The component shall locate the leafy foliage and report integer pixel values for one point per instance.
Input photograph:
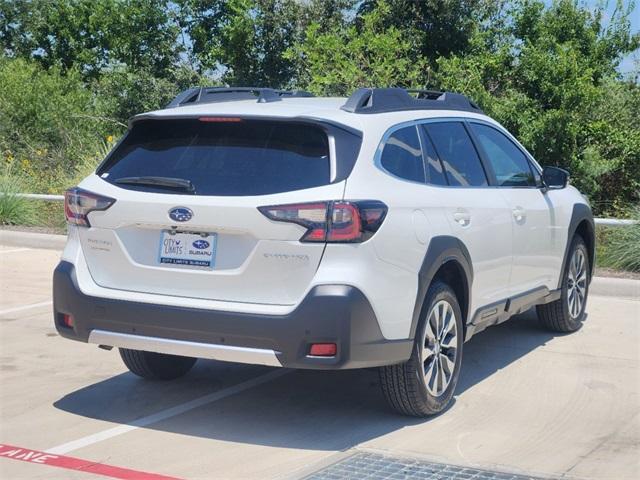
(549, 76)
(245, 38)
(13, 209)
(620, 247)
(73, 71)
(342, 59)
(434, 28)
(47, 129)
(125, 92)
(90, 35)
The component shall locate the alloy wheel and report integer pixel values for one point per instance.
(439, 348)
(576, 283)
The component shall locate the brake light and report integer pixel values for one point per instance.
(336, 222)
(79, 203)
(220, 119)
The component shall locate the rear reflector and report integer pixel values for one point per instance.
(79, 203)
(336, 221)
(323, 350)
(67, 320)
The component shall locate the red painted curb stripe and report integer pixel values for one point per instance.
(72, 463)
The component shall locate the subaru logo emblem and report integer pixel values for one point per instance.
(180, 214)
(201, 244)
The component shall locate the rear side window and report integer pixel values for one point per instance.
(435, 172)
(454, 147)
(509, 163)
(402, 155)
(231, 158)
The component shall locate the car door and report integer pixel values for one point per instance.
(532, 212)
(478, 214)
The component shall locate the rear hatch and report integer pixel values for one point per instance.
(185, 221)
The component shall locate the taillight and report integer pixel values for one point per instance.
(79, 203)
(336, 222)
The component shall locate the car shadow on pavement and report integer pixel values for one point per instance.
(317, 410)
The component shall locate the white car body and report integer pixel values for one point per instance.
(516, 238)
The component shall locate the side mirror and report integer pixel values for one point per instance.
(555, 178)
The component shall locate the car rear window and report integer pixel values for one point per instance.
(227, 158)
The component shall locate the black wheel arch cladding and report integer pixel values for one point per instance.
(583, 224)
(448, 252)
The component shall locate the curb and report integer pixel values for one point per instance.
(615, 287)
(15, 238)
(603, 286)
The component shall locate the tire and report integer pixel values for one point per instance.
(156, 366)
(406, 385)
(568, 312)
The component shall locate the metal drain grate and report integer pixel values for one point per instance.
(372, 466)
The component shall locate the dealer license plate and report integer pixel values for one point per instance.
(188, 248)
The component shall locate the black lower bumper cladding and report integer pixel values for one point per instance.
(337, 314)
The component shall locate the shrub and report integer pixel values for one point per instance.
(15, 210)
(620, 247)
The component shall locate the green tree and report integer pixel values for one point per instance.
(434, 28)
(124, 92)
(243, 39)
(342, 59)
(550, 76)
(328, 14)
(49, 129)
(91, 35)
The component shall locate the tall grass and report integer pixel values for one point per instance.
(620, 247)
(15, 210)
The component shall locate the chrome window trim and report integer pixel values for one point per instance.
(391, 130)
(333, 167)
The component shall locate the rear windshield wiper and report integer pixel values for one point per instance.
(161, 182)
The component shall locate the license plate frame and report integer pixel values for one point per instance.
(188, 249)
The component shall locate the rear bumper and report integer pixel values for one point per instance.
(338, 314)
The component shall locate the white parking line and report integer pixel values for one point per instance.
(15, 250)
(165, 414)
(26, 307)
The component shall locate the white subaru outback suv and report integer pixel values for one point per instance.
(268, 227)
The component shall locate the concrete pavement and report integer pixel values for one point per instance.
(528, 401)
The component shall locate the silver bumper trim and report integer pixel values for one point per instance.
(226, 353)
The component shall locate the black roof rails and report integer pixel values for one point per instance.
(197, 95)
(382, 100)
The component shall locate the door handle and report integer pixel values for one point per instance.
(463, 218)
(519, 214)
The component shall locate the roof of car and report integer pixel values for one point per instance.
(317, 107)
(363, 106)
